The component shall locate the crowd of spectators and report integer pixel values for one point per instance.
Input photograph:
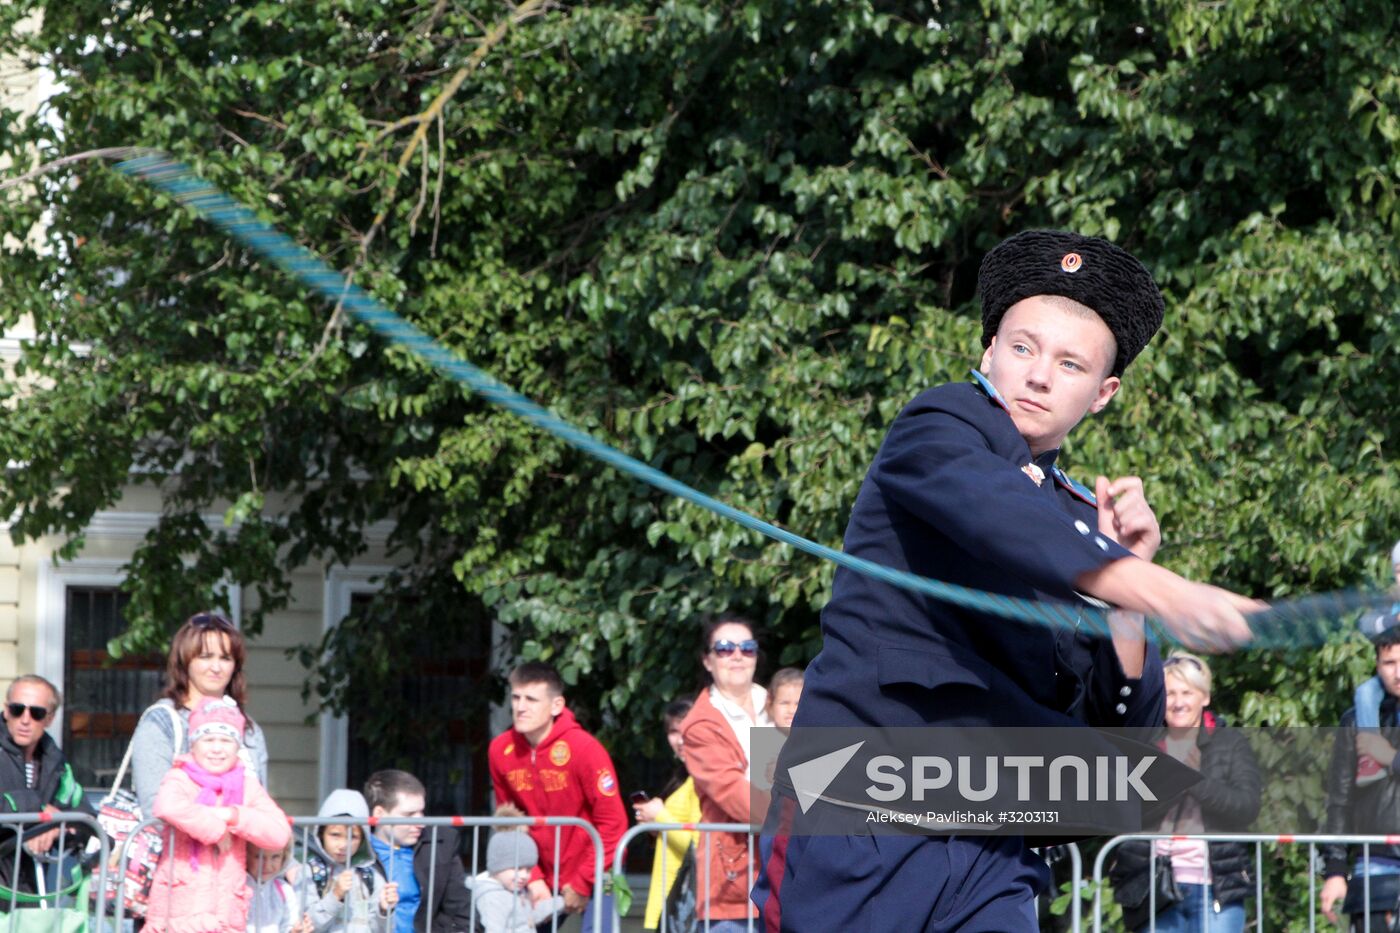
(199, 763)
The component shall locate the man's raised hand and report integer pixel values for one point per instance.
(1125, 516)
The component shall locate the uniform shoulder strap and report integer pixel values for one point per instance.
(1079, 490)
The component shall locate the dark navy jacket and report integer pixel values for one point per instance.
(947, 498)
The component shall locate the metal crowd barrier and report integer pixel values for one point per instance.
(705, 830)
(1257, 840)
(1076, 887)
(13, 901)
(101, 920)
(430, 824)
(702, 858)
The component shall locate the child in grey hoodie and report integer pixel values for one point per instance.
(502, 903)
(349, 896)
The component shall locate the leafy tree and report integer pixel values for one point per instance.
(731, 239)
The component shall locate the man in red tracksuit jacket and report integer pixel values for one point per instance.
(547, 765)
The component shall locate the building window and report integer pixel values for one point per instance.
(442, 733)
(104, 697)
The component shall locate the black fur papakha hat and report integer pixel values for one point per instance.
(1086, 269)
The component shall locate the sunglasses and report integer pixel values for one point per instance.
(211, 620)
(37, 713)
(724, 649)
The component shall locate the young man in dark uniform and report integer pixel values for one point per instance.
(965, 489)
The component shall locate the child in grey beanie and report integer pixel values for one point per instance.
(502, 902)
(511, 850)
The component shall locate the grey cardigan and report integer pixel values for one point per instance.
(153, 751)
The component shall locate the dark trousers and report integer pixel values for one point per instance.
(1385, 893)
(898, 884)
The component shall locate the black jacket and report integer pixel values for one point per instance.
(1229, 795)
(1370, 810)
(450, 901)
(55, 785)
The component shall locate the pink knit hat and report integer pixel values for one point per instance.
(219, 717)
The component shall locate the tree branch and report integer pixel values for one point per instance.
(115, 152)
(421, 121)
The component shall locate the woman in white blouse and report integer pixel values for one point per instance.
(716, 748)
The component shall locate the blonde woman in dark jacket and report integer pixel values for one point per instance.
(1214, 879)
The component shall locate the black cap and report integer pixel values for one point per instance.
(1086, 269)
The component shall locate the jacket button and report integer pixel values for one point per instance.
(1121, 708)
(1080, 527)
(1103, 545)
(1125, 692)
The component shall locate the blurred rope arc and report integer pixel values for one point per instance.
(1288, 624)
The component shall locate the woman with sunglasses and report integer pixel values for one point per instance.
(715, 742)
(1212, 880)
(206, 662)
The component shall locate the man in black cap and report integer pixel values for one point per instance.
(1363, 784)
(965, 489)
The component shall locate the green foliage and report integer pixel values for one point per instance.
(621, 892)
(1112, 912)
(731, 239)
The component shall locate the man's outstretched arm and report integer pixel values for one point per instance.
(1198, 614)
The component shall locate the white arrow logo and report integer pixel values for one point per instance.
(811, 778)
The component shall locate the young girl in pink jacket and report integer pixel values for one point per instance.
(214, 808)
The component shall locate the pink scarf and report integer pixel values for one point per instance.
(215, 790)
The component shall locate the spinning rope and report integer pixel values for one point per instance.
(1293, 623)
